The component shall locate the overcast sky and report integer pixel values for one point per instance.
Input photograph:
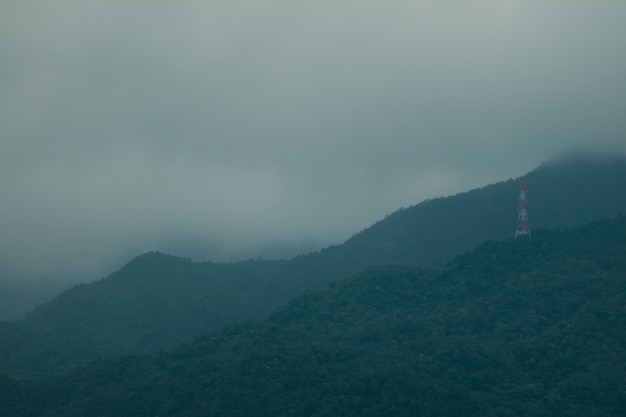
(231, 129)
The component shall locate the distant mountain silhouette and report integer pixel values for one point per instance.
(157, 301)
(566, 191)
(513, 328)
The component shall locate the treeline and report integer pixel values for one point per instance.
(514, 328)
(158, 301)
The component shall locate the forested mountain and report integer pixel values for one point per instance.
(157, 301)
(567, 191)
(513, 328)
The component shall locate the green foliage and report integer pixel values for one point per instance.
(158, 301)
(562, 194)
(513, 328)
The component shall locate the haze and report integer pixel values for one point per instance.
(225, 130)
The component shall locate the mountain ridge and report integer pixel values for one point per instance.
(512, 328)
(156, 301)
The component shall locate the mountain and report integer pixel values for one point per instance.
(157, 301)
(513, 328)
(566, 191)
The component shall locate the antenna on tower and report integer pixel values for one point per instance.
(522, 211)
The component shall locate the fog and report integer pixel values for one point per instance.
(226, 130)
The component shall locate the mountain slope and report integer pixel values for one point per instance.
(515, 328)
(564, 192)
(157, 300)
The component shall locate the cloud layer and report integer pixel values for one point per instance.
(230, 129)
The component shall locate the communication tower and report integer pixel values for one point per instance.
(522, 211)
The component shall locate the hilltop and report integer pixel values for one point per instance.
(157, 301)
(514, 327)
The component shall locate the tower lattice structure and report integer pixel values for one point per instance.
(522, 211)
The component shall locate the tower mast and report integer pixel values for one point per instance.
(522, 211)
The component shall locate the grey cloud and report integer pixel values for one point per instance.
(230, 129)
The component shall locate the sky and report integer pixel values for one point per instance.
(232, 129)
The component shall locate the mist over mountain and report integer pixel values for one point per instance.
(219, 130)
(291, 208)
(515, 327)
(567, 190)
(157, 300)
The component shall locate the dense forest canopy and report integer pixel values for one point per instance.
(516, 327)
(157, 301)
